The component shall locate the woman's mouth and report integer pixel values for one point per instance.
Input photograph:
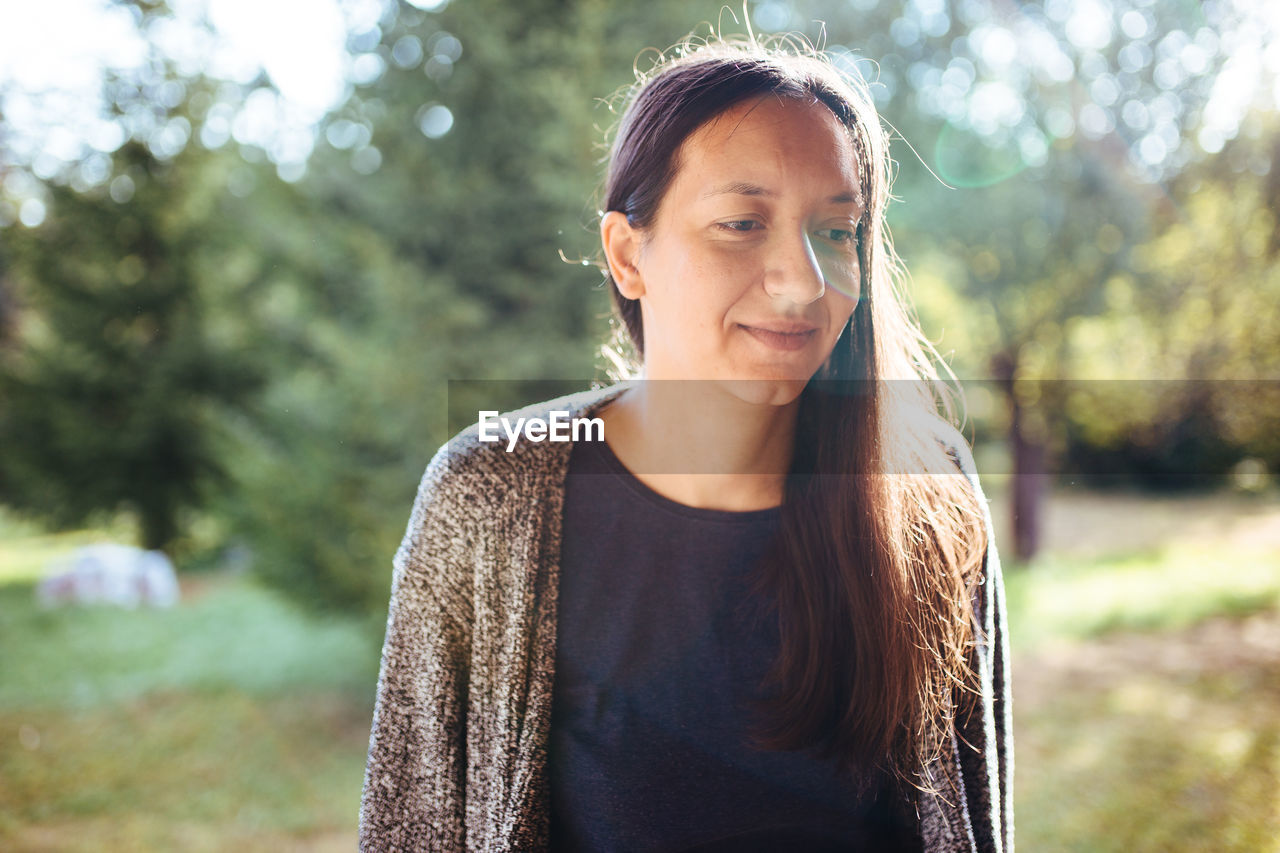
(782, 338)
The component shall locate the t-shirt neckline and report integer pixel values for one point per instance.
(604, 453)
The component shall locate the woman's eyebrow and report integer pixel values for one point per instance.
(740, 188)
(749, 189)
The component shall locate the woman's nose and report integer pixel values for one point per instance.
(793, 271)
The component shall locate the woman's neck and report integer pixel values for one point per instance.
(699, 444)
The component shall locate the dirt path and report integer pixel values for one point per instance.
(1218, 645)
(1122, 522)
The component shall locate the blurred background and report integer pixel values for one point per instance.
(244, 246)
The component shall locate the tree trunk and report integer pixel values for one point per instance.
(1027, 443)
(1028, 484)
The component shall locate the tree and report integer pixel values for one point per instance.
(437, 206)
(114, 387)
(1054, 126)
(1194, 313)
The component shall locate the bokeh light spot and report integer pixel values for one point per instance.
(1096, 122)
(445, 45)
(407, 52)
(1134, 24)
(32, 212)
(367, 160)
(121, 189)
(435, 121)
(343, 134)
(772, 16)
(1089, 26)
(367, 68)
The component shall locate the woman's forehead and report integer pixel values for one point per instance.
(768, 140)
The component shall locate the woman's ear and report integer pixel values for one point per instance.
(622, 242)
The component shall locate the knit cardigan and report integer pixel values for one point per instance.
(458, 751)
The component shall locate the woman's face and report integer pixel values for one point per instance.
(749, 270)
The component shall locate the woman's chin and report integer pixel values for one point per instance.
(778, 390)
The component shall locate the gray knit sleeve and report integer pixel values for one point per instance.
(414, 786)
(985, 742)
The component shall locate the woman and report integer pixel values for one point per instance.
(765, 611)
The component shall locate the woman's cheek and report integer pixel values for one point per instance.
(842, 276)
(738, 273)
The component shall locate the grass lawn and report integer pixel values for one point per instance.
(1147, 680)
(1155, 741)
(194, 770)
(1146, 699)
(231, 722)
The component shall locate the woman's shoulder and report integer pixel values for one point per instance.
(504, 454)
(954, 444)
(475, 489)
(940, 447)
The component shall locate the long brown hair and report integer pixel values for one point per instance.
(881, 540)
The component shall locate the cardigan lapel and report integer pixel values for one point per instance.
(531, 624)
(944, 824)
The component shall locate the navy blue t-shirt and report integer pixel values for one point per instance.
(661, 650)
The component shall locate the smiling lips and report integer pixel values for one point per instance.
(782, 336)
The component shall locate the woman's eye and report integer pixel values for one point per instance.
(837, 235)
(740, 225)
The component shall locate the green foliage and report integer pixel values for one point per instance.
(269, 358)
(1064, 254)
(117, 380)
(1194, 315)
(444, 264)
(324, 462)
